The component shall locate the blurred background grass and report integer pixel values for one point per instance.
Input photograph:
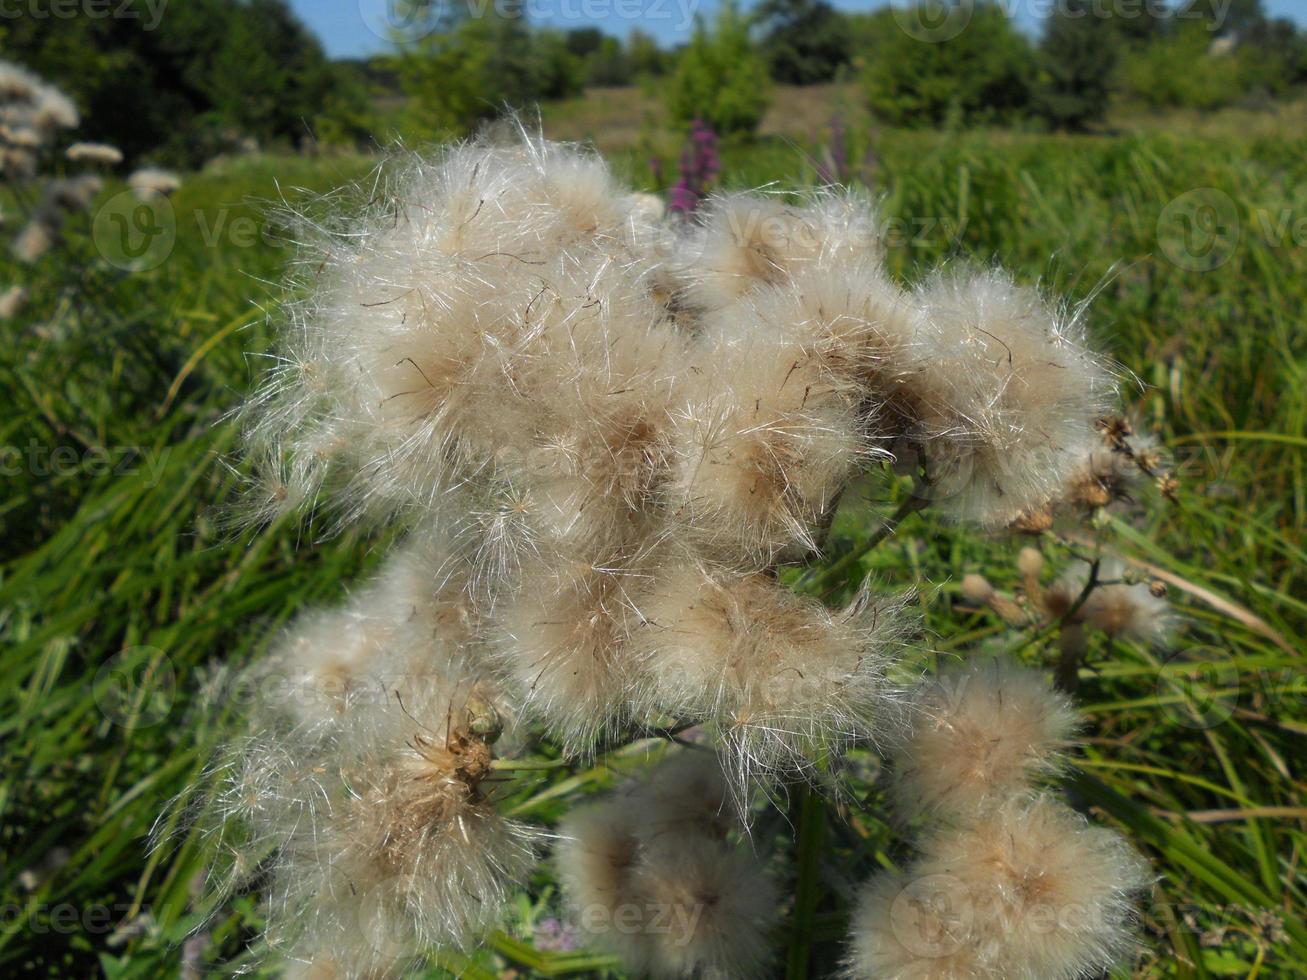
(114, 563)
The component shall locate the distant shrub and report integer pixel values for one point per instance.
(1184, 69)
(1077, 56)
(980, 75)
(481, 68)
(720, 78)
(203, 78)
(646, 57)
(804, 41)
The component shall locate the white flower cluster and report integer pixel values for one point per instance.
(1009, 883)
(602, 431)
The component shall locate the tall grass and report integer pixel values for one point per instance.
(124, 570)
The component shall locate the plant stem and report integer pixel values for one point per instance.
(826, 579)
(810, 819)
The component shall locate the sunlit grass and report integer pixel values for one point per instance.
(127, 566)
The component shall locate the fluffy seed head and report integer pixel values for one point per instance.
(908, 927)
(977, 735)
(1118, 608)
(651, 875)
(757, 483)
(37, 237)
(28, 102)
(490, 315)
(1047, 896)
(563, 640)
(748, 240)
(149, 183)
(1132, 612)
(97, 153)
(386, 840)
(1003, 395)
(12, 301)
(717, 906)
(780, 677)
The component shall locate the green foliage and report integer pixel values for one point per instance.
(720, 77)
(648, 60)
(804, 41)
(482, 67)
(603, 59)
(1202, 60)
(208, 74)
(98, 561)
(1077, 56)
(979, 75)
(1180, 69)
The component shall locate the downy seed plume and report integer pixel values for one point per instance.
(1026, 891)
(605, 431)
(654, 873)
(976, 736)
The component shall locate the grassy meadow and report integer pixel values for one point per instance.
(127, 602)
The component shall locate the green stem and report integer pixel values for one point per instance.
(826, 578)
(811, 823)
(527, 765)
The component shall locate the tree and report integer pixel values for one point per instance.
(979, 75)
(480, 67)
(646, 57)
(804, 41)
(1077, 56)
(178, 89)
(720, 77)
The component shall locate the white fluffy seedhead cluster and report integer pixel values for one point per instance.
(363, 799)
(151, 183)
(620, 425)
(1009, 882)
(654, 874)
(32, 115)
(1114, 605)
(604, 401)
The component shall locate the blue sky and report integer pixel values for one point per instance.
(351, 28)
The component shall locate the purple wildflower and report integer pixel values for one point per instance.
(552, 936)
(700, 165)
